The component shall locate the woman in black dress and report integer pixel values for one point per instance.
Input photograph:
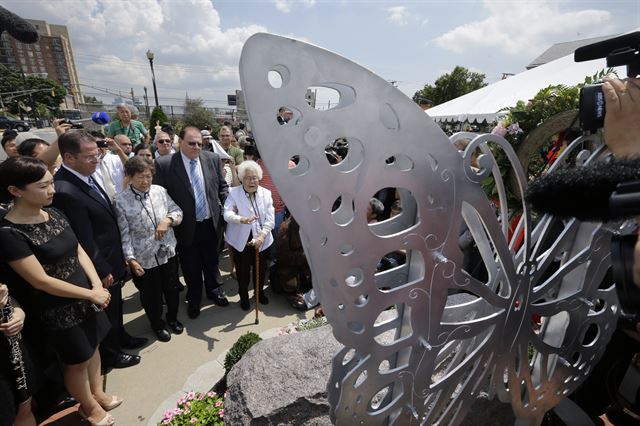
(42, 251)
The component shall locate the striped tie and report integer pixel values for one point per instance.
(198, 191)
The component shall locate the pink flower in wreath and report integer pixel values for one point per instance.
(499, 130)
(218, 403)
(221, 413)
(194, 420)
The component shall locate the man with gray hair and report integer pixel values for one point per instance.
(163, 144)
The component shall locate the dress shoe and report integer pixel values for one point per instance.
(125, 360)
(130, 342)
(264, 300)
(218, 298)
(162, 334)
(244, 304)
(114, 403)
(193, 311)
(176, 327)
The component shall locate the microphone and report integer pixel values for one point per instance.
(602, 192)
(17, 27)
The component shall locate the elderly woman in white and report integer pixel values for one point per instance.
(250, 217)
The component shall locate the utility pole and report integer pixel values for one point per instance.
(146, 101)
(133, 98)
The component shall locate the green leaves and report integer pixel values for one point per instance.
(450, 86)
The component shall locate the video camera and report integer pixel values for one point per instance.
(619, 51)
(625, 200)
(74, 124)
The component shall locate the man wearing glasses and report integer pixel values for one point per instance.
(93, 219)
(164, 145)
(193, 178)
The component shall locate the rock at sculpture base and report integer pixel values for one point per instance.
(283, 381)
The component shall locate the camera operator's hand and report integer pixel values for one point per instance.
(622, 117)
(60, 126)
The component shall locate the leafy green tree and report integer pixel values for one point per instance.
(450, 86)
(47, 95)
(92, 100)
(157, 117)
(195, 114)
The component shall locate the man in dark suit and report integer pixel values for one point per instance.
(93, 220)
(193, 178)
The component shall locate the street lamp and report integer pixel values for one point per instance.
(153, 75)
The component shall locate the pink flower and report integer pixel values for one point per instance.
(218, 403)
(190, 395)
(188, 404)
(499, 130)
(194, 420)
(166, 421)
(168, 414)
(221, 413)
(211, 394)
(514, 129)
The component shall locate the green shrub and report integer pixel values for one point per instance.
(239, 348)
(157, 116)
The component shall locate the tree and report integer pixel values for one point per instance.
(195, 114)
(449, 86)
(92, 100)
(47, 95)
(157, 117)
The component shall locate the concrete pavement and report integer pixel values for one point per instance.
(190, 361)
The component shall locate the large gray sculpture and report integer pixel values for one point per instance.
(530, 333)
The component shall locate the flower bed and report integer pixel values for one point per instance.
(195, 408)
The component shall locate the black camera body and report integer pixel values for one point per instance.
(619, 51)
(102, 143)
(74, 125)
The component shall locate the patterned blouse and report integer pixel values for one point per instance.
(138, 217)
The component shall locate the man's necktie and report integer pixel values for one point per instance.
(198, 191)
(94, 185)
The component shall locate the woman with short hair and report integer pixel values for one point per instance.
(146, 213)
(125, 125)
(249, 214)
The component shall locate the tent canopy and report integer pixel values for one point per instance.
(485, 103)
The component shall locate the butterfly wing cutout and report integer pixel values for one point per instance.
(527, 327)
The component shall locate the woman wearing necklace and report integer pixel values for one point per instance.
(124, 125)
(249, 213)
(146, 213)
(67, 296)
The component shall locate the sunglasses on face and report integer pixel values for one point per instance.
(164, 141)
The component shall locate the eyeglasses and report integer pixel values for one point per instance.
(89, 157)
(251, 178)
(195, 144)
(164, 141)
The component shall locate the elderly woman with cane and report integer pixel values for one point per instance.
(249, 213)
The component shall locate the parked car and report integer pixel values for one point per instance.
(10, 123)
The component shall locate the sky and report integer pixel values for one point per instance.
(197, 43)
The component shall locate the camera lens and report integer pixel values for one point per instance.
(592, 107)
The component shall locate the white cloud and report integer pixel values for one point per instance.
(525, 28)
(285, 6)
(110, 39)
(398, 15)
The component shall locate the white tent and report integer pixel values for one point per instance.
(485, 104)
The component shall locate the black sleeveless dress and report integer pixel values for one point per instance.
(74, 327)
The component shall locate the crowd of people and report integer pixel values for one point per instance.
(91, 211)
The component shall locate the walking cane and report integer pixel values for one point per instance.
(257, 283)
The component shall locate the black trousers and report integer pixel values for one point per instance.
(245, 263)
(111, 346)
(198, 260)
(153, 285)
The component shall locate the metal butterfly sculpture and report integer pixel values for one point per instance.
(528, 330)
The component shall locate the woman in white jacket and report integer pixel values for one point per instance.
(249, 214)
